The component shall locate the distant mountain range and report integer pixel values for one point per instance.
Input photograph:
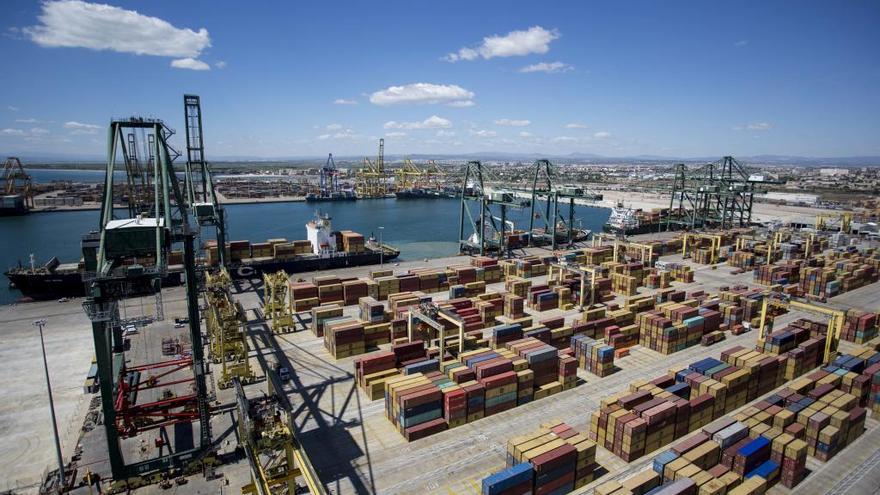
(848, 161)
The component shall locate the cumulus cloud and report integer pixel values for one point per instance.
(602, 135)
(759, 126)
(189, 63)
(81, 128)
(432, 122)
(547, 67)
(462, 103)
(575, 125)
(12, 132)
(484, 134)
(395, 134)
(77, 24)
(220, 64)
(536, 39)
(514, 123)
(343, 101)
(422, 93)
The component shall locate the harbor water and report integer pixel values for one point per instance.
(420, 228)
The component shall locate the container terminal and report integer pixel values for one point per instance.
(716, 354)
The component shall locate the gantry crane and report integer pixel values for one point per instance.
(842, 222)
(200, 194)
(694, 240)
(225, 320)
(371, 180)
(276, 307)
(556, 227)
(17, 183)
(557, 273)
(836, 320)
(329, 182)
(119, 270)
(489, 231)
(409, 176)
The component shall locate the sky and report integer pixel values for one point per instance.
(287, 79)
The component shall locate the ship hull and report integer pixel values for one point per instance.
(44, 286)
(324, 199)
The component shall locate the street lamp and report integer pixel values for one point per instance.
(381, 249)
(40, 324)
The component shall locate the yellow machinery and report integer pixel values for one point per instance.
(557, 273)
(276, 307)
(836, 320)
(265, 426)
(409, 176)
(371, 181)
(826, 221)
(695, 240)
(643, 252)
(436, 319)
(225, 324)
(601, 237)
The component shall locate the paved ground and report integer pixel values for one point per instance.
(352, 445)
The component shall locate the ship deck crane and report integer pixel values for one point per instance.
(836, 320)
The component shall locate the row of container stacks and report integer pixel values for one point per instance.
(823, 276)
(653, 413)
(593, 356)
(764, 444)
(553, 459)
(330, 289)
(479, 383)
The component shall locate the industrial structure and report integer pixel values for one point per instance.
(227, 337)
(371, 180)
(485, 230)
(18, 196)
(131, 258)
(719, 194)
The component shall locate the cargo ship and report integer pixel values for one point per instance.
(335, 196)
(419, 193)
(628, 221)
(323, 250)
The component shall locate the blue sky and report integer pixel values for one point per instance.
(613, 78)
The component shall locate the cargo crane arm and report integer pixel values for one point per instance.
(836, 319)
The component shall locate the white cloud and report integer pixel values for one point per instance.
(39, 131)
(32, 133)
(524, 134)
(575, 125)
(11, 108)
(432, 122)
(514, 123)
(462, 103)
(324, 136)
(759, 126)
(12, 132)
(220, 64)
(602, 135)
(81, 128)
(343, 101)
(77, 24)
(741, 43)
(27, 121)
(333, 127)
(536, 39)
(442, 133)
(547, 67)
(396, 134)
(484, 134)
(564, 139)
(418, 93)
(189, 63)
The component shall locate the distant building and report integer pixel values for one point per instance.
(833, 171)
(797, 198)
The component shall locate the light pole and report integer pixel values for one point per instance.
(381, 249)
(40, 324)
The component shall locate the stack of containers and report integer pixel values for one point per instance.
(344, 338)
(371, 310)
(304, 296)
(513, 306)
(593, 356)
(502, 334)
(353, 290)
(414, 403)
(320, 315)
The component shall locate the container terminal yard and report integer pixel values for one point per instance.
(714, 353)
